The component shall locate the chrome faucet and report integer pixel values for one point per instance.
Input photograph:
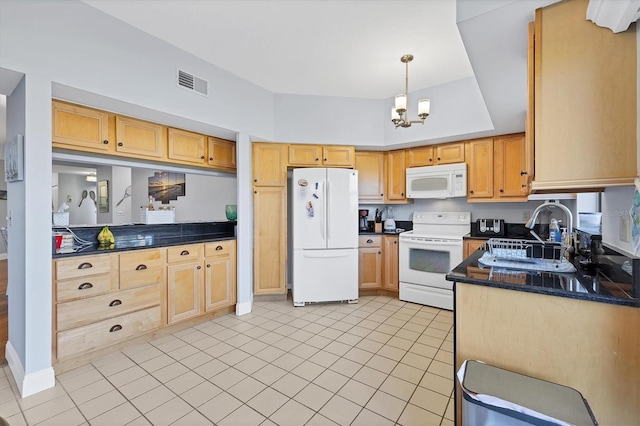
(547, 206)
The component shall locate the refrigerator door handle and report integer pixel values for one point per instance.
(327, 206)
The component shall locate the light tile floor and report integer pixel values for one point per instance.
(378, 362)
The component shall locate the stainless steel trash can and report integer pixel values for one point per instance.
(494, 396)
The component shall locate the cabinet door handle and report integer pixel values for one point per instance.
(116, 327)
(218, 248)
(395, 242)
(210, 158)
(438, 158)
(402, 194)
(141, 267)
(471, 191)
(317, 159)
(523, 185)
(120, 144)
(184, 253)
(116, 302)
(208, 265)
(524, 173)
(502, 190)
(431, 160)
(85, 265)
(198, 267)
(106, 142)
(379, 252)
(202, 157)
(85, 286)
(325, 159)
(369, 241)
(255, 180)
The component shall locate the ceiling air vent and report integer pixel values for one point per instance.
(191, 82)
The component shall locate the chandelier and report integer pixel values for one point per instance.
(399, 111)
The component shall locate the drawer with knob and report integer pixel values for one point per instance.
(184, 253)
(80, 312)
(219, 248)
(107, 332)
(140, 268)
(82, 266)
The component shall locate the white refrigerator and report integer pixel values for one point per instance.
(324, 212)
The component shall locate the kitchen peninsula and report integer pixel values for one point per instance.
(580, 330)
(154, 279)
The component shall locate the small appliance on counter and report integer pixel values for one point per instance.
(363, 219)
(390, 223)
(489, 228)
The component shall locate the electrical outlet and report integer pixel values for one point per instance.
(69, 199)
(625, 229)
(526, 215)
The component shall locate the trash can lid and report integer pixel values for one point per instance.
(551, 399)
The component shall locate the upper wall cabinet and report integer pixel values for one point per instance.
(140, 138)
(301, 155)
(186, 146)
(448, 153)
(89, 130)
(370, 166)
(222, 153)
(585, 106)
(77, 127)
(395, 175)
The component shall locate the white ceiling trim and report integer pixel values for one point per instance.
(615, 15)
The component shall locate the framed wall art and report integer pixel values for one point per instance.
(14, 159)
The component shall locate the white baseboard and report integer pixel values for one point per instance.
(33, 382)
(244, 308)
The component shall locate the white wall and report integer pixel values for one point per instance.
(204, 199)
(73, 186)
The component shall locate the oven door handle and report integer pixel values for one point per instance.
(433, 243)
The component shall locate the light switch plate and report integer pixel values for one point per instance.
(625, 229)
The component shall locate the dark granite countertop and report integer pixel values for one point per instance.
(139, 236)
(605, 282)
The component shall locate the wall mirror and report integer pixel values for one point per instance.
(103, 196)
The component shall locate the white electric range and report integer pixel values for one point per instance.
(428, 253)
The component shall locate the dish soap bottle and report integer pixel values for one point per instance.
(554, 231)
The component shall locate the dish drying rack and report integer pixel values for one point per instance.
(526, 254)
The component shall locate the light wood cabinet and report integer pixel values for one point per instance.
(222, 153)
(449, 153)
(100, 300)
(497, 168)
(390, 253)
(479, 154)
(185, 282)
(302, 155)
(370, 262)
(430, 155)
(269, 239)
(511, 174)
(139, 138)
(585, 115)
(76, 127)
(187, 147)
(220, 274)
(471, 245)
(395, 176)
(269, 164)
(370, 166)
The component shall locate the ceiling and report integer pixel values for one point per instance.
(344, 48)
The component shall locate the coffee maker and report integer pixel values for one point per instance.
(363, 220)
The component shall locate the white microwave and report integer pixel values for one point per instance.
(445, 181)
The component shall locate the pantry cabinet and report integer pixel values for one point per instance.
(269, 239)
(269, 164)
(586, 115)
(139, 138)
(370, 166)
(390, 254)
(76, 127)
(302, 155)
(370, 262)
(186, 147)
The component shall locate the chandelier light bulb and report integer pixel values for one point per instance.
(423, 107)
(401, 102)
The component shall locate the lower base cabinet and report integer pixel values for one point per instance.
(390, 268)
(107, 299)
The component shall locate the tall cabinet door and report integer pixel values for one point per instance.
(511, 168)
(370, 166)
(342, 208)
(269, 239)
(479, 154)
(395, 174)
